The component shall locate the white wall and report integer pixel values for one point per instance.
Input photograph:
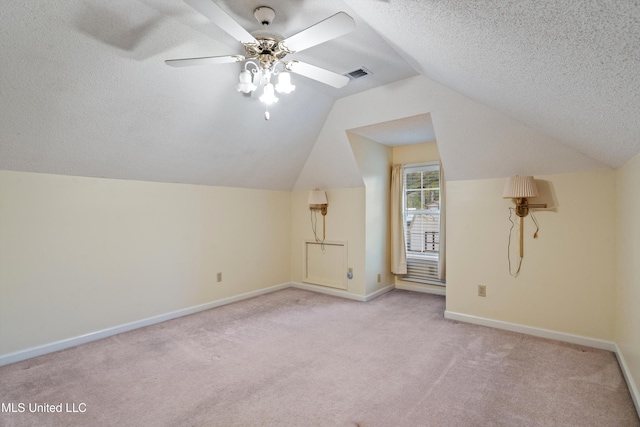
(374, 162)
(628, 265)
(567, 281)
(78, 255)
(457, 120)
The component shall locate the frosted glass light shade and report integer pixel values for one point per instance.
(317, 197)
(246, 84)
(284, 83)
(269, 96)
(518, 187)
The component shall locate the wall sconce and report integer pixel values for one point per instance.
(318, 202)
(520, 188)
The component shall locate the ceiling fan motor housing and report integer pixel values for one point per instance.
(264, 15)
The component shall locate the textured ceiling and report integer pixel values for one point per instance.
(570, 68)
(84, 89)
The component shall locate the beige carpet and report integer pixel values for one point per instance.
(297, 358)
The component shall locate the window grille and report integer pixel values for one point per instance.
(422, 188)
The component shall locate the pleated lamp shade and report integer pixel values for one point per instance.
(520, 186)
(317, 197)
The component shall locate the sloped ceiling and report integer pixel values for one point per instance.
(569, 69)
(84, 89)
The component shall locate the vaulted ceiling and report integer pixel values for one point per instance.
(84, 89)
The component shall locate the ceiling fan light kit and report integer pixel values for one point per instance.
(265, 52)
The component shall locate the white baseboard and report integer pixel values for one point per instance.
(340, 293)
(560, 336)
(376, 294)
(328, 291)
(433, 289)
(633, 389)
(530, 330)
(498, 324)
(28, 353)
(17, 356)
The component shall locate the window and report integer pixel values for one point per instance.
(423, 231)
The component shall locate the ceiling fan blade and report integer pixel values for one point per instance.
(186, 62)
(331, 28)
(316, 73)
(219, 17)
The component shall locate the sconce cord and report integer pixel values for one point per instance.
(513, 224)
(535, 221)
(314, 227)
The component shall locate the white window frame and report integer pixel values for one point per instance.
(423, 265)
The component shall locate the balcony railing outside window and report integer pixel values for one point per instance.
(422, 216)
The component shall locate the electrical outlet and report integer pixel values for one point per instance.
(219, 277)
(379, 278)
(482, 290)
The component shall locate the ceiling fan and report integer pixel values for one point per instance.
(264, 51)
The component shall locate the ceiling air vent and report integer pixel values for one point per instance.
(359, 73)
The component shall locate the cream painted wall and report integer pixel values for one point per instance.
(416, 153)
(628, 265)
(374, 161)
(78, 255)
(568, 275)
(344, 221)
